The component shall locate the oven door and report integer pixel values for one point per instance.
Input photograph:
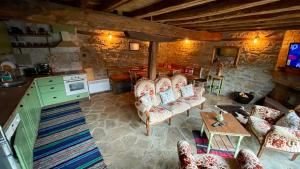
(76, 87)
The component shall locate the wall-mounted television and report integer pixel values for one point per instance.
(293, 58)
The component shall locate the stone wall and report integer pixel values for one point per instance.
(100, 51)
(289, 37)
(256, 61)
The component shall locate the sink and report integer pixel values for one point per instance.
(15, 83)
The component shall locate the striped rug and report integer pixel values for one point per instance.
(64, 141)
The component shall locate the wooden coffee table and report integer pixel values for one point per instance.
(223, 133)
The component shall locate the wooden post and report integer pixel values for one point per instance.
(153, 49)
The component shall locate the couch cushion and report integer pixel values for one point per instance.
(177, 106)
(158, 114)
(266, 113)
(210, 161)
(167, 96)
(187, 91)
(193, 100)
(284, 139)
(259, 126)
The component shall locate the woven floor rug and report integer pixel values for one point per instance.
(64, 141)
(201, 145)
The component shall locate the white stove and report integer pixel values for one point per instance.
(76, 84)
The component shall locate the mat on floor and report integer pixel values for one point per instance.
(202, 142)
(64, 141)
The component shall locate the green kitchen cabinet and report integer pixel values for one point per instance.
(52, 91)
(29, 110)
(23, 147)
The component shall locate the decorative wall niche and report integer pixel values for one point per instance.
(227, 55)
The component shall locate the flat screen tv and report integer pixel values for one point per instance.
(293, 59)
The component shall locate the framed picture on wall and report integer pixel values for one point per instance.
(134, 46)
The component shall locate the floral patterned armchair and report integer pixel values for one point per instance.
(275, 131)
(246, 159)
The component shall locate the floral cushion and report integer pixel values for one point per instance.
(177, 106)
(193, 100)
(167, 96)
(248, 160)
(268, 114)
(260, 127)
(284, 139)
(147, 101)
(187, 90)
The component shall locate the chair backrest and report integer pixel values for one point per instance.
(178, 81)
(144, 86)
(162, 84)
(204, 73)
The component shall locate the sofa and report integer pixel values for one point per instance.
(246, 159)
(276, 130)
(152, 108)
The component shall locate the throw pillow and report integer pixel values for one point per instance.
(167, 96)
(146, 100)
(187, 90)
(292, 119)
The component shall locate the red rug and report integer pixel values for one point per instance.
(201, 145)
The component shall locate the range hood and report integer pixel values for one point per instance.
(67, 40)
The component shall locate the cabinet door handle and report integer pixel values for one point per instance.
(52, 88)
(27, 94)
(54, 97)
(78, 95)
(50, 80)
(21, 105)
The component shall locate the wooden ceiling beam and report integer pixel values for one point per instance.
(286, 26)
(111, 5)
(275, 8)
(280, 22)
(247, 21)
(163, 7)
(212, 9)
(51, 13)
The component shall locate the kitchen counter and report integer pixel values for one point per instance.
(9, 99)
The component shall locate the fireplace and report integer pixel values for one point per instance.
(287, 89)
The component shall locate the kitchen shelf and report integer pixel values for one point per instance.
(33, 35)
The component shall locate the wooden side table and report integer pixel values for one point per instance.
(219, 86)
(219, 137)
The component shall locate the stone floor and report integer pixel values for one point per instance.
(121, 137)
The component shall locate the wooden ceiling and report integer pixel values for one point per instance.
(206, 15)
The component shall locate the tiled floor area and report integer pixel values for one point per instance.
(121, 137)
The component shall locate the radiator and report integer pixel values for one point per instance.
(97, 86)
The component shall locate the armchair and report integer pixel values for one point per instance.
(275, 131)
(246, 159)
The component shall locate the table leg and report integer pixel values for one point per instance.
(220, 87)
(237, 146)
(211, 85)
(202, 129)
(209, 142)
